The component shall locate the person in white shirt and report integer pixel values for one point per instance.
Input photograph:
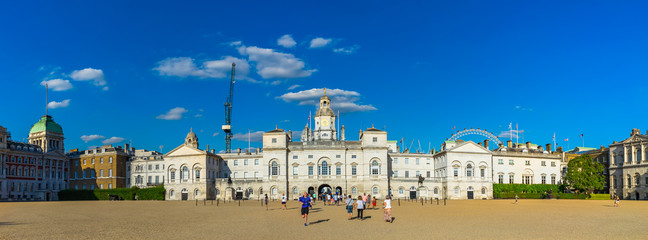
(387, 205)
(360, 206)
(283, 201)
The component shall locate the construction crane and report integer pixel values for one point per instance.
(227, 128)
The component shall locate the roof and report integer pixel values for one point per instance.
(324, 111)
(46, 124)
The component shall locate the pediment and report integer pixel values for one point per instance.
(184, 150)
(470, 147)
(636, 138)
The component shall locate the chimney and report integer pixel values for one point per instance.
(509, 144)
(207, 147)
(548, 147)
(480, 143)
(500, 145)
(342, 134)
(540, 148)
(559, 149)
(257, 150)
(238, 150)
(126, 146)
(213, 151)
(290, 135)
(635, 131)
(528, 145)
(486, 144)
(397, 148)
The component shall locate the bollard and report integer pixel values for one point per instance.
(437, 201)
(421, 202)
(217, 202)
(399, 202)
(444, 202)
(196, 202)
(239, 202)
(204, 202)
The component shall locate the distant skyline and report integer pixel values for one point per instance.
(148, 72)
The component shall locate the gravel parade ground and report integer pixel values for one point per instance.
(466, 219)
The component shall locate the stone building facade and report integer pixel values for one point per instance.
(629, 167)
(102, 167)
(526, 164)
(37, 170)
(146, 169)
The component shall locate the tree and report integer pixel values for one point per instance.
(585, 174)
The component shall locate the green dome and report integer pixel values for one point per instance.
(46, 124)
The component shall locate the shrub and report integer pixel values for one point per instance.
(154, 193)
(572, 196)
(525, 188)
(600, 196)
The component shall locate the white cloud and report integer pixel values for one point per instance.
(57, 84)
(198, 115)
(88, 138)
(286, 41)
(55, 104)
(112, 140)
(342, 100)
(347, 50)
(235, 43)
(273, 64)
(523, 108)
(509, 134)
(294, 86)
(186, 67)
(87, 74)
(173, 114)
(254, 136)
(319, 42)
(215, 134)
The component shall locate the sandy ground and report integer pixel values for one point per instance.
(474, 219)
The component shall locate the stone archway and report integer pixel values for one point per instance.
(325, 188)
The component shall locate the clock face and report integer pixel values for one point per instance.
(325, 123)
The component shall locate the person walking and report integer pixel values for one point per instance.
(387, 206)
(373, 202)
(305, 200)
(365, 199)
(360, 206)
(349, 207)
(284, 199)
(616, 201)
(516, 198)
(266, 201)
(312, 202)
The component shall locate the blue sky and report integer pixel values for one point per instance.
(147, 72)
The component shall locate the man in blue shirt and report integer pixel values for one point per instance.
(305, 201)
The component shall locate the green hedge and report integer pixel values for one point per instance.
(525, 188)
(520, 195)
(154, 193)
(572, 196)
(600, 196)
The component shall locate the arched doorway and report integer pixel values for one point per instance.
(311, 190)
(324, 188)
(185, 194)
(338, 190)
(471, 193)
(412, 192)
(637, 195)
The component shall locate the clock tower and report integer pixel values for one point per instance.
(325, 120)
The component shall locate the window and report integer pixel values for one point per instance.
(395, 160)
(256, 161)
(110, 160)
(527, 162)
(245, 175)
(501, 178)
(544, 179)
(337, 156)
(172, 175)
(511, 177)
(235, 162)
(553, 164)
(511, 162)
(354, 190)
(197, 173)
(375, 190)
(406, 174)
(274, 140)
(150, 179)
(295, 170)
(245, 162)
(295, 191)
(110, 186)
(273, 191)
(353, 156)
(274, 169)
(375, 139)
(401, 191)
(325, 168)
(482, 172)
(100, 173)
(395, 174)
(110, 172)
(101, 186)
(417, 161)
(75, 162)
(456, 191)
(469, 171)
(543, 163)
(157, 179)
(92, 161)
(427, 161)
(375, 168)
(157, 166)
(406, 160)
(310, 170)
(310, 156)
(483, 190)
(527, 180)
(235, 175)
(256, 174)
(456, 172)
(418, 173)
(428, 174)
(197, 192)
(185, 173)
(354, 170)
(338, 170)
(84, 162)
(101, 160)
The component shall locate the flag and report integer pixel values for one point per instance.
(581, 135)
(521, 131)
(566, 139)
(510, 125)
(453, 128)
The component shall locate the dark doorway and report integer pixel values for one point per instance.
(324, 188)
(637, 194)
(338, 190)
(470, 195)
(47, 196)
(239, 195)
(184, 194)
(311, 190)
(412, 194)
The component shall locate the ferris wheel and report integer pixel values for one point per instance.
(472, 131)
